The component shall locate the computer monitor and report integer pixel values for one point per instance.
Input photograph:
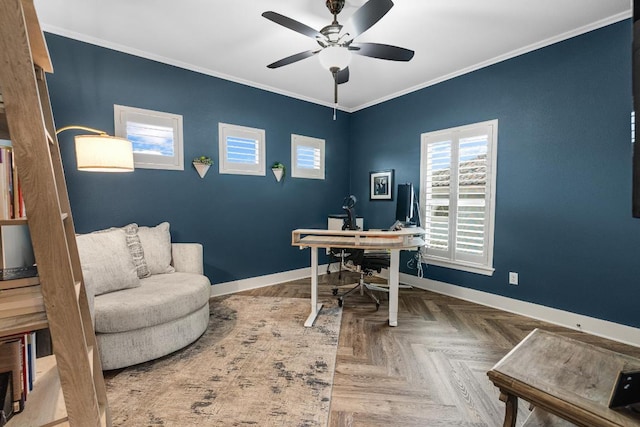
(406, 205)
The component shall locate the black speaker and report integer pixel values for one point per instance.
(635, 72)
(626, 390)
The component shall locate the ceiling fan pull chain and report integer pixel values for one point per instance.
(334, 72)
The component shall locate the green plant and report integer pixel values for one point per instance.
(205, 160)
(278, 165)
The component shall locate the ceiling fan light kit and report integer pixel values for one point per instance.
(337, 46)
(334, 57)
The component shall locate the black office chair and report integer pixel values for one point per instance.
(367, 263)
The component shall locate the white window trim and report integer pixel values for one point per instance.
(458, 265)
(149, 161)
(225, 130)
(485, 269)
(306, 141)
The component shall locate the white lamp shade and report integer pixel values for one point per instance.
(104, 153)
(334, 57)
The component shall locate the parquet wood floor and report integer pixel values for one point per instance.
(431, 369)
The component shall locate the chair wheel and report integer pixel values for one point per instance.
(340, 302)
(335, 291)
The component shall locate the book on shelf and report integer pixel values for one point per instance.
(11, 200)
(18, 356)
(14, 273)
(31, 358)
(6, 397)
(11, 361)
(24, 367)
(4, 185)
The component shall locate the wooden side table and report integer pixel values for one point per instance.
(567, 378)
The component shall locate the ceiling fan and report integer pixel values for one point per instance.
(336, 46)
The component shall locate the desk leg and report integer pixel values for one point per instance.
(315, 307)
(511, 408)
(394, 279)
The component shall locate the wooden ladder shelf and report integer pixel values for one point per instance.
(26, 119)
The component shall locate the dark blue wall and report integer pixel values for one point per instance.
(244, 222)
(563, 207)
(563, 211)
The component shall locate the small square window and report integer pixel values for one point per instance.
(307, 157)
(156, 137)
(241, 150)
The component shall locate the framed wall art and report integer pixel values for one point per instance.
(381, 185)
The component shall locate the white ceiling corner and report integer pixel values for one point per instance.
(233, 41)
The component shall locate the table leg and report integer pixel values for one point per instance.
(511, 409)
(394, 279)
(315, 307)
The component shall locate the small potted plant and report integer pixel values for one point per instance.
(278, 170)
(202, 165)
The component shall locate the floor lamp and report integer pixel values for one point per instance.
(101, 152)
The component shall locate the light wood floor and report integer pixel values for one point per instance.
(431, 369)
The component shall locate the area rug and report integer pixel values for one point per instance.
(255, 365)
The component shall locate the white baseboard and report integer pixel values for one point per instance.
(258, 281)
(267, 280)
(579, 322)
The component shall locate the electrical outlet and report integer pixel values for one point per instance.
(513, 278)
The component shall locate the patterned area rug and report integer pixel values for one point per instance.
(255, 365)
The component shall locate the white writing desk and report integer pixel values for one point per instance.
(394, 241)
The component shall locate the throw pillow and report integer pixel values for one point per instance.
(106, 263)
(136, 250)
(156, 243)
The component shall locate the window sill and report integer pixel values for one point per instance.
(306, 176)
(457, 265)
(229, 171)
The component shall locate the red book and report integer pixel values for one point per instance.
(21, 201)
(25, 366)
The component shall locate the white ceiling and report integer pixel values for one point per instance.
(230, 39)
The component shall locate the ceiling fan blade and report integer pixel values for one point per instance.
(370, 13)
(293, 58)
(292, 24)
(342, 76)
(382, 51)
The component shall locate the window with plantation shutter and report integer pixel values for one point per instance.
(307, 157)
(457, 195)
(241, 150)
(156, 137)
